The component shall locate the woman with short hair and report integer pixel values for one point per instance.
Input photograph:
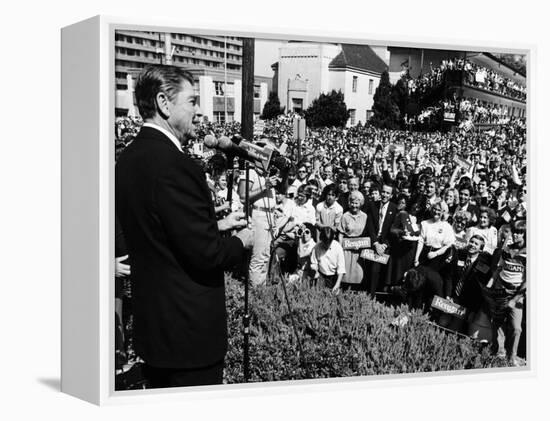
(486, 228)
(436, 237)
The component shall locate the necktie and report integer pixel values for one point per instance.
(380, 218)
(460, 283)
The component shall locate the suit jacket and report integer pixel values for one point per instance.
(176, 253)
(372, 226)
(468, 281)
(474, 212)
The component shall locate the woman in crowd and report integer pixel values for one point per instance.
(460, 222)
(306, 242)
(450, 196)
(352, 225)
(436, 237)
(486, 228)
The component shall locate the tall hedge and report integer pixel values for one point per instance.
(345, 335)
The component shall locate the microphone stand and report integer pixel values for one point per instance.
(230, 179)
(245, 278)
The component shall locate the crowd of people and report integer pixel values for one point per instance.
(473, 75)
(382, 211)
(467, 112)
(413, 214)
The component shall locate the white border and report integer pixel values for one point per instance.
(106, 305)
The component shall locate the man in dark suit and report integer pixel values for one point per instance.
(177, 254)
(464, 195)
(380, 217)
(470, 268)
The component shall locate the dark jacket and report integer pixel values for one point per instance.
(176, 253)
(372, 226)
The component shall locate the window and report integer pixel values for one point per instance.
(256, 91)
(297, 104)
(352, 117)
(218, 88)
(371, 83)
(354, 84)
(219, 116)
(369, 114)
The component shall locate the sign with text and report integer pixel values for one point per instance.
(356, 243)
(449, 116)
(464, 163)
(369, 254)
(259, 126)
(449, 307)
(399, 149)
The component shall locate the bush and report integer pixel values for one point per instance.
(327, 110)
(345, 335)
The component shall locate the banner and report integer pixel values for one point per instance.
(449, 307)
(449, 116)
(464, 163)
(371, 255)
(356, 243)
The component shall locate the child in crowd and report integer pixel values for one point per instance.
(327, 260)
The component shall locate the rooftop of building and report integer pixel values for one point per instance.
(360, 57)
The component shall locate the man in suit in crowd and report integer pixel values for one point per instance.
(380, 217)
(470, 268)
(177, 254)
(464, 196)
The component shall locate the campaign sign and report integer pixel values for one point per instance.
(464, 163)
(259, 127)
(356, 243)
(448, 307)
(399, 149)
(460, 243)
(449, 116)
(370, 254)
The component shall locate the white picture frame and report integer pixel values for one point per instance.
(88, 215)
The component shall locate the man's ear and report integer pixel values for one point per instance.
(163, 107)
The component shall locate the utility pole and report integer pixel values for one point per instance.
(247, 131)
(225, 77)
(247, 108)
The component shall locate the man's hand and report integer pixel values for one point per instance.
(232, 221)
(121, 269)
(271, 181)
(246, 235)
(380, 248)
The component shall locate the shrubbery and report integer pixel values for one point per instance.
(344, 335)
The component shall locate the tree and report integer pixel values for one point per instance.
(328, 110)
(386, 112)
(400, 96)
(272, 107)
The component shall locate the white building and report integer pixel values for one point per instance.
(305, 70)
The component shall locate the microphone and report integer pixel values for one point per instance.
(243, 149)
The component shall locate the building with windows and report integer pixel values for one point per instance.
(214, 61)
(305, 70)
(510, 96)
